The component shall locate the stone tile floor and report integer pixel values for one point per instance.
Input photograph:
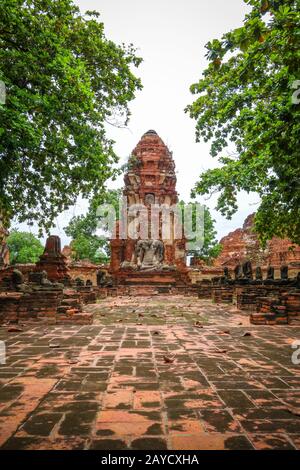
(151, 373)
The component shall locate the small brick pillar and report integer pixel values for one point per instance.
(54, 262)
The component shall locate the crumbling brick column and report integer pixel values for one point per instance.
(54, 262)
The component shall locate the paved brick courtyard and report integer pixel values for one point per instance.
(160, 373)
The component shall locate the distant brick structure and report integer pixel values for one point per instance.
(67, 252)
(242, 245)
(86, 271)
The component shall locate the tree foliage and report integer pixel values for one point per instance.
(64, 82)
(24, 247)
(211, 247)
(245, 98)
(85, 230)
(208, 247)
(90, 248)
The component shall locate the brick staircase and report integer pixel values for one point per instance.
(70, 309)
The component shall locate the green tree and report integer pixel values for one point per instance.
(211, 247)
(83, 229)
(208, 248)
(89, 248)
(245, 98)
(64, 82)
(24, 247)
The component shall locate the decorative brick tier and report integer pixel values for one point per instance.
(144, 290)
(151, 278)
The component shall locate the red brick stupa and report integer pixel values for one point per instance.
(150, 181)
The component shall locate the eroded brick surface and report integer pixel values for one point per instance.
(153, 373)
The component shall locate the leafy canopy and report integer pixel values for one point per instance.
(24, 247)
(84, 229)
(64, 81)
(245, 97)
(208, 248)
(89, 248)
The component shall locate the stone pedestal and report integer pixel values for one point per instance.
(243, 244)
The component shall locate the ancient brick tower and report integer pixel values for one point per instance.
(150, 180)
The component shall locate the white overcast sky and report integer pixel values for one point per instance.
(170, 35)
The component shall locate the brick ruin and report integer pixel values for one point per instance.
(54, 262)
(84, 270)
(147, 265)
(45, 292)
(265, 283)
(55, 295)
(269, 301)
(243, 245)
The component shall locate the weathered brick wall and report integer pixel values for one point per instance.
(222, 294)
(246, 297)
(292, 302)
(52, 304)
(36, 304)
(85, 271)
(88, 294)
(9, 304)
(202, 274)
(204, 289)
(270, 311)
(282, 309)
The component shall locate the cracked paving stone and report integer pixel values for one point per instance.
(108, 386)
